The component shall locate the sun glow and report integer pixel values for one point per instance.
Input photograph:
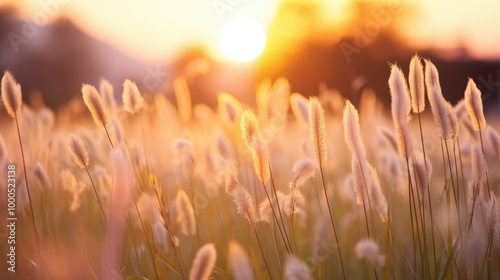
(242, 40)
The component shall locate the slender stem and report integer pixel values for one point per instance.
(109, 138)
(331, 220)
(427, 183)
(194, 212)
(37, 234)
(276, 219)
(262, 252)
(278, 206)
(150, 249)
(97, 196)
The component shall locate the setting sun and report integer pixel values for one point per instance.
(242, 39)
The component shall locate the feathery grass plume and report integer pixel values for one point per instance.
(317, 131)
(439, 106)
(362, 180)
(132, 98)
(295, 269)
(416, 81)
(108, 94)
(292, 200)
(377, 196)
(352, 133)
(249, 129)
(260, 156)
(117, 129)
(42, 175)
(70, 184)
(239, 262)
(203, 263)
(423, 175)
(460, 109)
(388, 137)
(399, 95)
(492, 215)
(303, 169)
(183, 97)
(265, 211)
(148, 207)
(230, 176)
(368, 249)
(299, 105)
(244, 205)
(223, 146)
(184, 150)
(452, 118)
(185, 214)
(230, 109)
(474, 105)
(94, 103)
(478, 165)
(400, 108)
(11, 94)
(78, 151)
(491, 135)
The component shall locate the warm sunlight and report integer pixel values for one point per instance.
(242, 39)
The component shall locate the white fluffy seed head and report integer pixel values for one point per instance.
(260, 156)
(303, 169)
(377, 196)
(107, 93)
(295, 269)
(78, 151)
(400, 99)
(478, 165)
(249, 129)
(42, 176)
(148, 207)
(94, 103)
(440, 109)
(317, 131)
(244, 205)
(239, 262)
(474, 105)
(292, 201)
(132, 98)
(299, 106)
(265, 211)
(416, 81)
(368, 249)
(203, 263)
(185, 214)
(11, 94)
(352, 133)
(229, 107)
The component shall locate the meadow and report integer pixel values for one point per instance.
(139, 187)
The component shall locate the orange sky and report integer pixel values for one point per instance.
(158, 29)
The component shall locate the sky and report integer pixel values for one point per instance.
(159, 29)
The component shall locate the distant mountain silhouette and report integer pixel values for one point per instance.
(56, 59)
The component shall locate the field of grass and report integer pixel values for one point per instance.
(295, 188)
